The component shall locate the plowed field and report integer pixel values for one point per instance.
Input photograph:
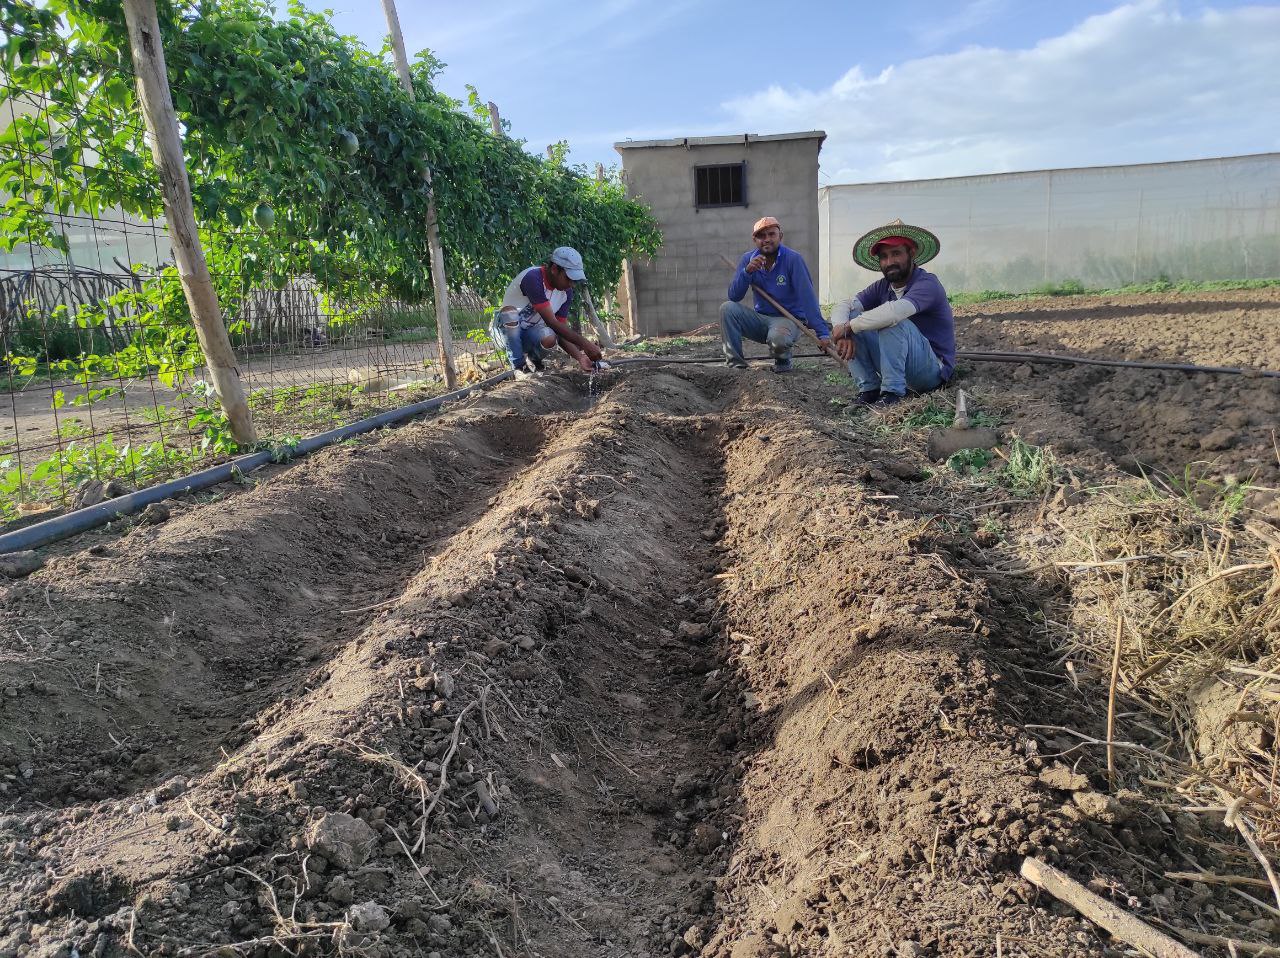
(697, 662)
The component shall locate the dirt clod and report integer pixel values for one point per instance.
(345, 841)
(1062, 778)
(17, 565)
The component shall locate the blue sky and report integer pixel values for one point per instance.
(907, 90)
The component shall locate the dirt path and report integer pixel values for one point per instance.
(686, 668)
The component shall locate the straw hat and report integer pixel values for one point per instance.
(926, 244)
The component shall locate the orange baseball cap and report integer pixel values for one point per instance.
(763, 223)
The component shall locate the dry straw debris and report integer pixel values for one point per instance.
(1176, 596)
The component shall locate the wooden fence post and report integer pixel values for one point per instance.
(444, 330)
(175, 189)
(631, 302)
(495, 120)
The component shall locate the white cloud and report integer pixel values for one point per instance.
(1141, 83)
(933, 32)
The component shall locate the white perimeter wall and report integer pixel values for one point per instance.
(1104, 226)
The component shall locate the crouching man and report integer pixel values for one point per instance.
(534, 313)
(780, 271)
(898, 334)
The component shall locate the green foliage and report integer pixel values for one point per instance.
(938, 414)
(1218, 498)
(1030, 470)
(285, 449)
(662, 347)
(79, 461)
(1067, 287)
(991, 526)
(305, 157)
(304, 134)
(1075, 288)
(969, 462)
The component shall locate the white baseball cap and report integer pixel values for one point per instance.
(570, 260)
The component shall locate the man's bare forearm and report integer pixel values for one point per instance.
(566, 333)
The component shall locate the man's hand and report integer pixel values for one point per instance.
(585, 363)
(755, 264)
(593, 351)
(846, 346)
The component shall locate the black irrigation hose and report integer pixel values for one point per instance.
(1002, 357)
(982, 356)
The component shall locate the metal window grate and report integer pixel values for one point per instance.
(721, 185)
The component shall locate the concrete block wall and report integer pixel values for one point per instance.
(683, 286)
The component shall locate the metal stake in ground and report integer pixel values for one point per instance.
(175, 189)
(828, 349)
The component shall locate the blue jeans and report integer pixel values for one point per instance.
(521, 341)
(737, 321)
(894, 360)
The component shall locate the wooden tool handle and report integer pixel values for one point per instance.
(828, 349)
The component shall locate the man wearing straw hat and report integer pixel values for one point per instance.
(898, 334)
(782, 271)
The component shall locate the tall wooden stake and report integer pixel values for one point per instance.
(601, 329)
(175, 190)
(444, 330)
(629, 297)
(495, 119)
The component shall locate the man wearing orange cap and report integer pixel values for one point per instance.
(781, 271)
(898, 334)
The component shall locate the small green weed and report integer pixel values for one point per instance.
(661, 347)
(970, 462)
(990, 529)
(285, 448)
(938, 414)
(1030, 470)
(1219, 498)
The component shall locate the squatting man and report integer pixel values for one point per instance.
(898, 334)
(534, 315)
(782, 272)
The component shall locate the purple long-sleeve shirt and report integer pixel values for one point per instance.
(932, 316)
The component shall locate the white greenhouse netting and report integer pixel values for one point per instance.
(1101, 226)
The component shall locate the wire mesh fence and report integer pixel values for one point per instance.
(102, 379)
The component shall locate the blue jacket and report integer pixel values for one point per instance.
(788, 282)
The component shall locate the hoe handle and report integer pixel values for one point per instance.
(828, 349)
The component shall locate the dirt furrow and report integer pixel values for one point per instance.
(153, 649)
(883, 796)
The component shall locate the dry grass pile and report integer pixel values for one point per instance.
(1176, 598)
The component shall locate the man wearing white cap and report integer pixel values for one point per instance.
(534, 312)
(782, 272)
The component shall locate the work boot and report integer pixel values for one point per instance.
(782, 362)
(867, 397)
(733, 362)
(887, 400)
